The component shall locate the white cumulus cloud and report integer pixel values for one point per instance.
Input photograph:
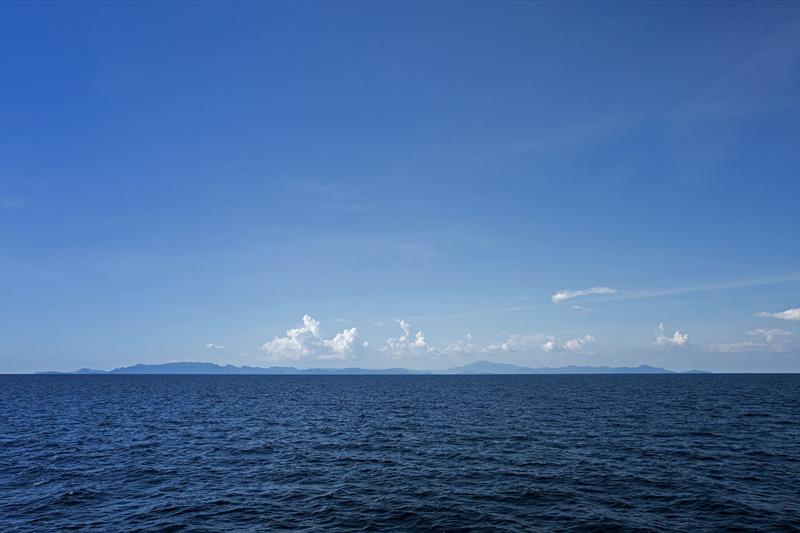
(306, 342)
(550, 346)
(407, 343)
(341, 345)
(792, 314)
(571, 345)
(676, 339)
(562, 296)
(576, 345)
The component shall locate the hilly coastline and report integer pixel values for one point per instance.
(478, 367)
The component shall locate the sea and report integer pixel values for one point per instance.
(400, 453)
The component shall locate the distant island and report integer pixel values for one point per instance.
(478, 367)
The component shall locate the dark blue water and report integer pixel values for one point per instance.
(381, 453)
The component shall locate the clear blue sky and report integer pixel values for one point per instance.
(186, 181)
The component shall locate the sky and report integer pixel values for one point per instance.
(418, 185)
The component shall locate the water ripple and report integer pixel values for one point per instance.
(399, 453)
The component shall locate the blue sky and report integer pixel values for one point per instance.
(187, 181)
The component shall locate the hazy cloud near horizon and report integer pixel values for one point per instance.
(771, 340)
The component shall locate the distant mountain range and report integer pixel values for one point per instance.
(488, 367)
(478, 367)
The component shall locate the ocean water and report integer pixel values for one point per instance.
(400, 453)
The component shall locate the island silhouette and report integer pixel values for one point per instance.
(478, 367)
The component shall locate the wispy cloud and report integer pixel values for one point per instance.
(573, 134)
(480, 312)
(562, 296)
(517, 343)
(616, 294)
(757, 84)
(653, 293)
(213, 346)
(335, 198)
(463, 346)
(769, 340)
(792, 314)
